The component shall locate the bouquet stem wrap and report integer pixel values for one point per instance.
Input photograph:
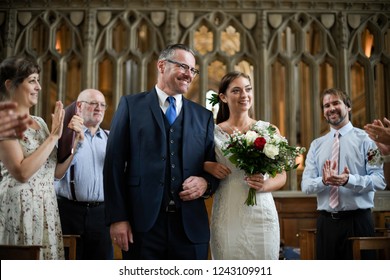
(251, 199)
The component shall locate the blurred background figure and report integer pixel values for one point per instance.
(80, 191)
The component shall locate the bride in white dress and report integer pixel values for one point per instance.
(239, 231)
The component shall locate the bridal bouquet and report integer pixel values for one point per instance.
(261, 150)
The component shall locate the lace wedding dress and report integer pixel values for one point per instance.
(239, 231)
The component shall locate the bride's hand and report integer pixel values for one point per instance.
(218, 170)
(256, 181)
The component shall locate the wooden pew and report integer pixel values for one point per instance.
(307, 243)
(380, 243)
(19, 252)
(70, 241)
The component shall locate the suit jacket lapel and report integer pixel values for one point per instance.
(187, 132)
(155, 108)
(187, 116)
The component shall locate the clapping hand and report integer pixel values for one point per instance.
(380, 133)
(330, 174)
(12, 125)
(57, 120)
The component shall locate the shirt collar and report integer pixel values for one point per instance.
(98, 132)
(162, 97)
(344, 130)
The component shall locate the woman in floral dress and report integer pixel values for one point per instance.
(28, 206)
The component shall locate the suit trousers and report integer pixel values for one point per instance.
(166, 241)
(333, 231)
(88, 222)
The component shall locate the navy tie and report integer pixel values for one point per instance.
(171, 111)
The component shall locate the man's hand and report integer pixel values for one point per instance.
(330, 174)
(121, 234)
(193, 188)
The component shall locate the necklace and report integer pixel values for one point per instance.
(243, 129)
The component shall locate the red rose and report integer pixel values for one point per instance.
(260, 143)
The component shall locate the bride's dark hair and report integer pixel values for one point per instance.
(223, 111)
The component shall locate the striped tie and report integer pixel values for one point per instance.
(334, 190)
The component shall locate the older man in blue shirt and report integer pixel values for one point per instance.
(345, 187)
(80, 192)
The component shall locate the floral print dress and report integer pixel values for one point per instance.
(28, 211)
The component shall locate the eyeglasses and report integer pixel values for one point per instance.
(184, 67)
(96, 104)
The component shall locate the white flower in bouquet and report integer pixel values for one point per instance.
(271, 150)
(251, 136)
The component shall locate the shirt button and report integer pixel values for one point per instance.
(173, 166)
(172, 141)
(171, 130)
(173, 178)
(172, 153)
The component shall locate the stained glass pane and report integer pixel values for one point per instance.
(41, 34)
(358, 95)
(120, 37)
(231, 40)
(203, 40)
(278, 96)
(63, 39)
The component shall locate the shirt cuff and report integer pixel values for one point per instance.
(351, 181)
(208, 192)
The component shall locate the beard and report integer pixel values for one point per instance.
(337, 122)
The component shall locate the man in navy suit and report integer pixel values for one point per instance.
(154, 182)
